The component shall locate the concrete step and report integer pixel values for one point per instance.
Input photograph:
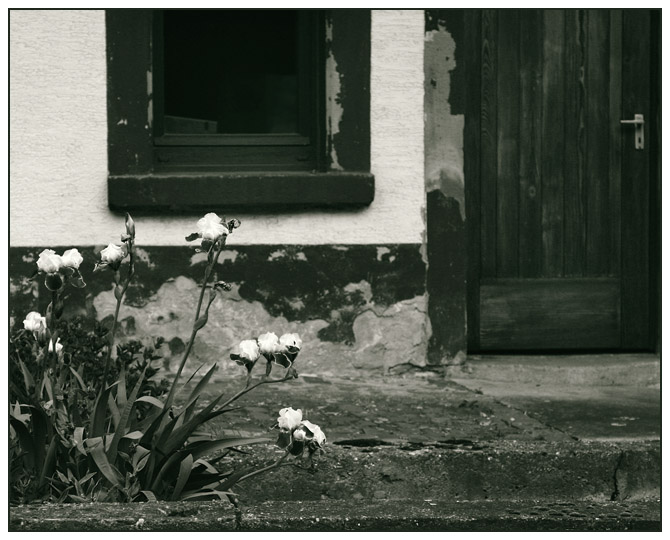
(453, 470)
(344, 515)
(562, 370)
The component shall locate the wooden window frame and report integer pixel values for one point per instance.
(139, 181)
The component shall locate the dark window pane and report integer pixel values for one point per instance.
(230, 71)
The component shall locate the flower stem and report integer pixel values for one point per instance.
(287, 377)
(112, 332)
(51, 355)
(110, 345)
(264, 469)
(196, 328)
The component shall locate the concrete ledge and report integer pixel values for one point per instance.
(396, 515)
(448, 471)
(563, 370)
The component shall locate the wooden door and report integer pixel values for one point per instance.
(557, 194)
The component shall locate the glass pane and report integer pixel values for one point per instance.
(230, 71)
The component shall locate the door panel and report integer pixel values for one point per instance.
(560, 230)
(554, 308)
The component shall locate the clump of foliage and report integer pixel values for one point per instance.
(89, 427)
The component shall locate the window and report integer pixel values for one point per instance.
(227, 108)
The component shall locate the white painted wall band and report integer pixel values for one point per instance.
(58, 143)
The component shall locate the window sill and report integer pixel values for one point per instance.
(189, 192)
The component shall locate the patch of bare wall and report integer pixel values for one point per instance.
(445, 187)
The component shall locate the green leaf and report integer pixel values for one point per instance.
(206, 465)
(116, 415)
(149, 495)
(47, 385)
(25, 440)
(192, 236)
(123, 420)
(40, 430)
(202, 321)
(121, 392)
(180, 435)
(151, 400)
(86, 478)
(134, 435)
(184, 472)
(99, 416)
(201, 385)
(79, 439)
(187, 410)
(118, 292)
(147, 439)
(166, 432)
(174, 457)
(140, 457)
(206, 495)
(79, 379)
(15, 411)
(28, 380)
(202, 448)
(191, 377)
(49, 463)
(97, 450)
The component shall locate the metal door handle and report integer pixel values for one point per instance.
(638, 122)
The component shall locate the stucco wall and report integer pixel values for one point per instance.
(58, 154)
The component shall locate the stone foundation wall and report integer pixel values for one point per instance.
(355, 307)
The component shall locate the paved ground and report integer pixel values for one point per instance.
(603, 397)
(566, 446)
(351, 515)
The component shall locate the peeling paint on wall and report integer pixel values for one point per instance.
(356, 307)
(443, 130)
(150, 93)
(446, 239)
(333, 102)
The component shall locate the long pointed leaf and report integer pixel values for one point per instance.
(205, 495)
(184, 472)
(25, 440)
(116, 415)
(123, 420)
(99, 416)
(179, 436)
(79, 379)
(135, 435)
(202, 448)
(79, 439)
(202, 383)
(165, 434)
(149, 495)
(49, 463)
(151, 400)
(183, 386)
(121, 392)
(46, 384)
(146, 441)
(164, 469)
(188, 413)
(97, 450)
(40, 429)
(187, 410)
(28, 380)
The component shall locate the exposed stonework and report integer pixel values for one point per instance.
(395, 335)
(384, 336)
(355, 307)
